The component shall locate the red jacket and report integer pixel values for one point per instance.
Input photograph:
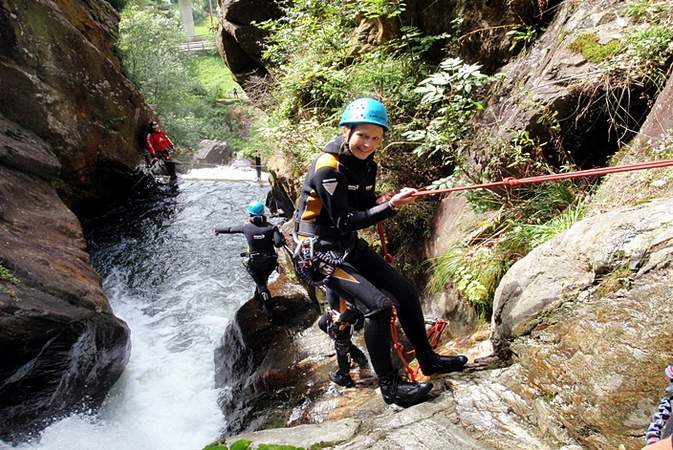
(158, 141)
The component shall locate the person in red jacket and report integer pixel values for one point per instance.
(158, 144)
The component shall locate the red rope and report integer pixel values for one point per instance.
(516, 182)
(434, 333)
(382, 236)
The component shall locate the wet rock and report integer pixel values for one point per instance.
(68, 126)
(267, 368)
(60, 344)
(212, 153)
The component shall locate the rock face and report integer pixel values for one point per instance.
(61, 81)
(586, 314)
(212, 153)
(548, 93)
(653, 141)
(262, 366)
(238, 41)
(68, 126)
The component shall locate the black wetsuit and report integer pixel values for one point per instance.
(338, 198)
(262, 238)
(341, 331)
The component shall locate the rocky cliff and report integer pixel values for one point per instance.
(68, 125)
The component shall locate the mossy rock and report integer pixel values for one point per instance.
(588, 45)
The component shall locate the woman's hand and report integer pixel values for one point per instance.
(404, 197)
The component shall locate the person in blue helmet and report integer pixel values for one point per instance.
(337, 199)
(263, 238)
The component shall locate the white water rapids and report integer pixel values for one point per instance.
(177, 286)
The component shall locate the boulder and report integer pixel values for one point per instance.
(239, 41)
(61, 346)
(211, 153)
(586, 316)
(267, 368)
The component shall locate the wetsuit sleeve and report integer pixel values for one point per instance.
(150, 148)
(332, 189)
(226, 230)
(278, 238)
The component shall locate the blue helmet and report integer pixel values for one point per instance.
(255, 208)
(365, 110)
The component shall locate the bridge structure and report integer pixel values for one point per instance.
(199, 44)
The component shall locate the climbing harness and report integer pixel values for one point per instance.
(513, 182)
(314, 266)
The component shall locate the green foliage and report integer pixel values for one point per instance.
(587, 45)
(653, 45)
(474, 274)
(216, 80)
(450, 97)
(216, 446)
(380, 8)
(7, 276)
(182, 89)
(525, 219)
(241, 444)
(646, 9)
(522, 37)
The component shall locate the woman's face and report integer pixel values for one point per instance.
(364, 139)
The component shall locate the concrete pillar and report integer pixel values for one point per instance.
(187, 17)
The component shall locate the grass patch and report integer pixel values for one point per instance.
(241, 444)
(203, 28)
(214, 76)
(7, 276)
(587, 45)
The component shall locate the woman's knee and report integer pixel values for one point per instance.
(382, 310)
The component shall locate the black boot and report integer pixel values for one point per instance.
(341, 378)
(432, 363)
(265, 303)
(403, 393)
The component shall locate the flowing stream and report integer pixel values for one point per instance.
(177, 286)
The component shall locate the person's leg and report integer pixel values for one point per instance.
(409, 311)
(342, 341)
(169, 164)
(376, 307)
(260, 274)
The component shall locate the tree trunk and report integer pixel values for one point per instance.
(187, 17)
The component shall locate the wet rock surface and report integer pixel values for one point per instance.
(68, 126)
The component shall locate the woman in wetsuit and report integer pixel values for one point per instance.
(338, 198)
